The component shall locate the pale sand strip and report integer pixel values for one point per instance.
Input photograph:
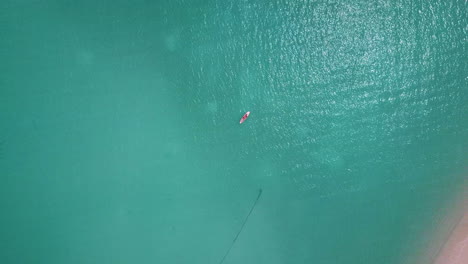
(455, 250)
(447, 241)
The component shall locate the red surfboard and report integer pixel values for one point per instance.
(244, 117)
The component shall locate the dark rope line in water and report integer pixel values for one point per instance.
(242, 227)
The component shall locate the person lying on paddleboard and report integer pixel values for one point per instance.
(244, 117)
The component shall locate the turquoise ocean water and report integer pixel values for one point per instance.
(120, 139)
